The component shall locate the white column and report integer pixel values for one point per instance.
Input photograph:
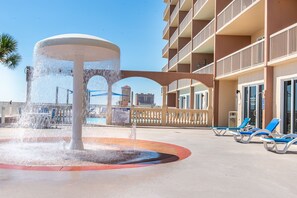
(77, 107)
(2, 115)
(109, 105)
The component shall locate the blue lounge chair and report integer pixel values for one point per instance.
(287, 140)
(239, 136)
(223, 130)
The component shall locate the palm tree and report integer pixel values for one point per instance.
(8, 55)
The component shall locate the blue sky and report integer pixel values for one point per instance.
(134, 25)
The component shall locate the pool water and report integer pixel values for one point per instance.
(101, 121)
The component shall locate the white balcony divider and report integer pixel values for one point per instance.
(173, 61)
(204, 34)
(186, 21)
(165, 48)
(250, 56)
(184, 83)
(185, 51)
(208, 69)
(284, 42)
(232, 10)
(173, 37)
(166, 29)
(174, 12)
(165, 68)
(172, 86)
(198, 5)
(181, 2)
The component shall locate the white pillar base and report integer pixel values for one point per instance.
(76, 145)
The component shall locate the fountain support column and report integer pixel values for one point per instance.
(109, 105)
(77, 107)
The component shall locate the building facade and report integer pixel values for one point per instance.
(126, 96)
(145, 99)
(250, 47)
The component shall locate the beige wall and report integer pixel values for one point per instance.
(257, 34)
(281, 73)
(227, 97)
(252, 78)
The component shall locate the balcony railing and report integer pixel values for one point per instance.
(174, 12)
(233, 10)
(250, 56)
(172, 86)
(165, 48)
(165, 68)
(283, 43)
(185, 50)
(181, 2)
(198, 5)
(204, 34)
(186, 21)
(166, 29)
(166, 10)
(173, 61)
(208, 69)
(184, 83)
(173, 37)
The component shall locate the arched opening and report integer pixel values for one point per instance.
(96, 100)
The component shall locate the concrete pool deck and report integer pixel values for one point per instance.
(217, 167)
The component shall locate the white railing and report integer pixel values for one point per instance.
(184, 83)
(204, 34)
(173, 61)
(165, 68)
(166, 29)
(181, 2)
(233, 10)
(185, 50)
(173, 37)
(186, 21)
(208, 69)
(172, 86)
(283, 43)
(187, 117)
(250, 56)
(165, 49)
(174, 12)
(170, 117)
(198, 5)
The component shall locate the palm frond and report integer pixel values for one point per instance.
(12, 60)
(7, 44)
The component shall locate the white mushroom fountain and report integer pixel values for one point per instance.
(79, 49)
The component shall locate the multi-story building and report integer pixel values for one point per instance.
(250, 47)
(126, 95)
(145, 99)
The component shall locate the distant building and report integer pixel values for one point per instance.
(126, 92)
(145, 99)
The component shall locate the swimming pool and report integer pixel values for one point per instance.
(101, 121)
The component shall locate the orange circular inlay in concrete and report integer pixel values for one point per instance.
(166, 153)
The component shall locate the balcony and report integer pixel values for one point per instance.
(241, 17)
(165, 68)
(172, 86)
(173, 39)
(173, 62)
(204, 9)
(173, 16)
(184, 53)
(184, 27)
(185, 5)
(203, 42)
(166, 12)
(165, 51)
(208, 69)
(184, 83)
(250, 57)
(166, 32)
(283, 45)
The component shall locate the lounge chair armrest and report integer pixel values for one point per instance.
(290, 136)
(261, 131)
(255, 129)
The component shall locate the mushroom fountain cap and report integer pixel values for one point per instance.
(71, 46)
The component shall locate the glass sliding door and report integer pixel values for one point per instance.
(295, 108)
(253, 104)
(287, 106)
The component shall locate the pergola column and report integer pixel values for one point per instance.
(164, 105)
(192, 93)
(109, 104)
(268, 95)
